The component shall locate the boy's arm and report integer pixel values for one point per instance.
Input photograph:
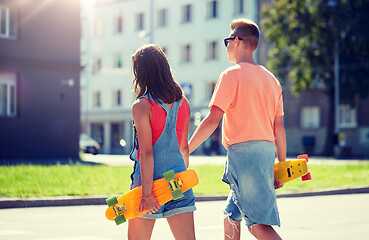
(206, 127)
(280, 138)
(280, 144)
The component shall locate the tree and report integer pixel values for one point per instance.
(304, 35)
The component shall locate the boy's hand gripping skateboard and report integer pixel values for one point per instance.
(289, 170)
(172, 186)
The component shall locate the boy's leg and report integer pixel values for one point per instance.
(232, 229)
(261, 231)
(140, 228)
(182, 226)
(232, 219)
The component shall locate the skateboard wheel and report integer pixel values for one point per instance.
(119, 219)
(306, 177)
(177, 194)
(112, 201)
(169, 175)
(303, 156)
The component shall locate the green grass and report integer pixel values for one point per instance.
(81, 180)
(62, 180)
(332, 176)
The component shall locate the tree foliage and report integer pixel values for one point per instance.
(303, 34)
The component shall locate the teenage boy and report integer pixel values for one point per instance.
(249, 98)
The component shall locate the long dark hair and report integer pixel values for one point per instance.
(152, 75)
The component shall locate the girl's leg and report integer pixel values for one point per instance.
(182, 226)
(140, 228)
(261, 231)
(232, 229)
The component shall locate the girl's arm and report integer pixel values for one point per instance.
(184, 149)
(141, 112)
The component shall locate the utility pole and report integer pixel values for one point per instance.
(337, 85)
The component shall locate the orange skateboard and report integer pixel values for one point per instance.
(172, 186)
(289, 170)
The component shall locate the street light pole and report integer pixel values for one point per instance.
(337, 86)
(337, 150)
(334, 4)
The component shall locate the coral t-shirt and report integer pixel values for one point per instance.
(158, 119)
(251, 98)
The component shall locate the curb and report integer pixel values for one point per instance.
(51, 202)
(84, 201)
(359, 190)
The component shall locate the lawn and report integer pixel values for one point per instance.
(80, 180)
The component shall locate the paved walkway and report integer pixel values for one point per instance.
(338, 217)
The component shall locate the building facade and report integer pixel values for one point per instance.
(309, 121)
(191, 33)
(39, 79)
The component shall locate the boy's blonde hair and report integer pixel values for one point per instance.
(247, 30)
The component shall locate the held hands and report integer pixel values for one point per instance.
(277, 184)
(150, 203)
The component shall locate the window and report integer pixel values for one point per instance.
(118, 60)
(238, 7)
(98, 28)
(186, 53)
(83, 28)
(162, 17)
(187, 13)
(212, 9)
(212, 50)
(210, 89)
(8, 22)
(82, 59)
(347, 116)
(97, 133)
(117, 98)
(117, 134)
(8, 95)
(140, 18)
(96, 99)
(97, 64)
(310, 117)
(165, 50)
(118, 24)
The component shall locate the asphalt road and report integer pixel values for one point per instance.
(337, 217)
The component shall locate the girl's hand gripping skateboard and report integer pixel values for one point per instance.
(172, 186)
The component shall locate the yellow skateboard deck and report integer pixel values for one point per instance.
(172, 186)
(289, 170)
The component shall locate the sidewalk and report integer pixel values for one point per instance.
(123, 160)
(303, 218)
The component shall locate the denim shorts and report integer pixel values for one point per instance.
(249, 171)
(174, 207)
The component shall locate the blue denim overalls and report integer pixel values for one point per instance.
(167, 157)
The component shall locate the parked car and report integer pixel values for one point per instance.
(88, 144)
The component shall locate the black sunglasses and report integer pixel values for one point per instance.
(230, 38)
